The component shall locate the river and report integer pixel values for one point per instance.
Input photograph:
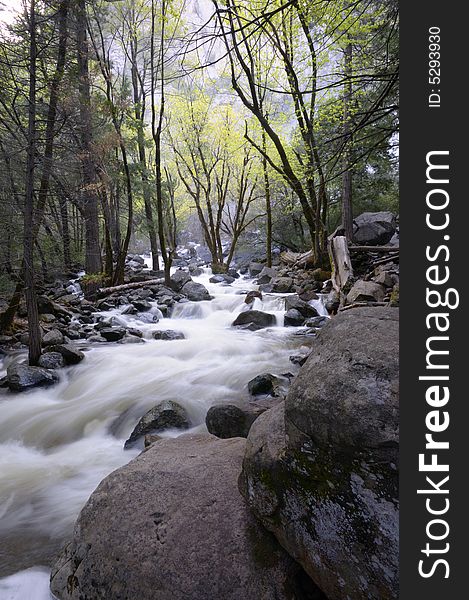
(56, 444)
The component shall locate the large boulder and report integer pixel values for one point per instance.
(165, 415)
(179, 280)
(254, 320)
(266, 275)
(171, 525)
(374, 229)
(322, 473)
(112, 334)
(21, 378)
(196, 292)
(366, 291)
(282, 285)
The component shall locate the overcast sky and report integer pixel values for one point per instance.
(8, 9)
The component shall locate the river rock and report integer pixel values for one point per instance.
(266, 275)
(262, 384)
(165, 415)
(112, 334)
(72, 355)
(252, 295)
(51, 360)
(179, 280)
(196, 292)
(21, 378)
(52, 337)
(168, 334)
(141, 305)
(374, 229)
(171, 525)
(254, 320)
(293, 318)
(322, 473)
(229, 420)
(305, 309)
(366, 291)
(282, 284)
(255, 268)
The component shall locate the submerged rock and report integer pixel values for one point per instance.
(165, 415)
(171, 525)
(254, 320)
(322, 473)
(168, 334)
(21, 378)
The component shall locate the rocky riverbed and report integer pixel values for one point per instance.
(156, 368)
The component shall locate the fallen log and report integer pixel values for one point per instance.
(103, 292)
(353, 248)
(362, 304)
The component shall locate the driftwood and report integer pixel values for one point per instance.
(103, 292)
(341, 264)
(296, 258)
(353, 248)
(361, 304)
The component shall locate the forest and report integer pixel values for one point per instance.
(137, 125)
(198, 217)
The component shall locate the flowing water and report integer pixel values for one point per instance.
(57, 444)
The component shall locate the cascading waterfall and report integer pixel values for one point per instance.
(57, 444)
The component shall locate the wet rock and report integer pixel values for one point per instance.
(305, 309)
(317, 322)
(230, 420)
(255, 268)
(366, 291)
(321, 473)
(112, 334)
(332, 302)
(196, 292)
(22, 377)
(308, 295)
(374, 229)
(168, 334)
(266, 275)
(96, 339)
(299, 359)
(72, 355)
(293, 318)
(165, 415)
(141, 305)
(171, 525)
(52, 360)
(52, 337)
(252, 295)
(47, 318)
(131, 339)
(147, 317)
(254, 320)
(282, 284)
(262, 384)
(179, 280)
(222, 278)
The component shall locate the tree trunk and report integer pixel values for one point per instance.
(347, 214)
(29, 213)
(89, 179)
